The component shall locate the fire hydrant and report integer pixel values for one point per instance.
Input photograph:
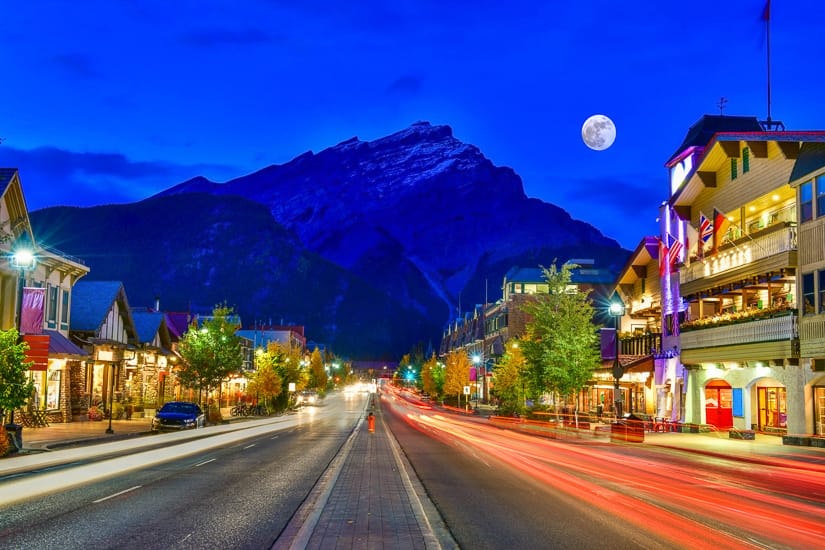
(371, 422)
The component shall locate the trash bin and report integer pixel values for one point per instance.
(630, 428)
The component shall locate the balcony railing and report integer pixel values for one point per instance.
(744, 251)
(781, 325)
(643, 344)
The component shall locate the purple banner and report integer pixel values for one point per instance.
(31, 313)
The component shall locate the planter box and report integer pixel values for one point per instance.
(797, 440)
(749, 435)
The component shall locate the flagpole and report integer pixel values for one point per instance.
(767, 17)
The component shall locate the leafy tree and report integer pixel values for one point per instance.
(457, 374)
(15, 387)
(317, 374)
(266, 383)
(510, 376)
(210, 351)
(431, 375)
(561, 344)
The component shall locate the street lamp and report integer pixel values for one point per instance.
(22, 259)
(616, 310)
(481, 376)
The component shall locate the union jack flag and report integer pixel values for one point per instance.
(705, 227)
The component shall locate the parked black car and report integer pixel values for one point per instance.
(178, 415)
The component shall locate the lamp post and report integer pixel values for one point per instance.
(22, 259)
(109, 430)
(616, 311)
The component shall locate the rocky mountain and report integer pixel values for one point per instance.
(371, 245)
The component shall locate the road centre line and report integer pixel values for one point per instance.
(116, 494)
(248, 447)
(205, 462)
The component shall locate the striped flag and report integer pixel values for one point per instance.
(674, 249)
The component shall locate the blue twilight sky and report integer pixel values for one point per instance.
(112, 101)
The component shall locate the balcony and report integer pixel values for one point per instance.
(768, 325)
(742, 252)
(643, 344)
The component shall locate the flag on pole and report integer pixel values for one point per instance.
(674, 249)
(720, 227)
(664, 264)
(705, 233)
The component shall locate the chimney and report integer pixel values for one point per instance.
(157, 303)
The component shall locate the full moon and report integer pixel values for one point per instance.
(598, 132)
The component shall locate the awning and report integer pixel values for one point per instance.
(60, 346)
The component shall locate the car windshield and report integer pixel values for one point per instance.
(178, 408)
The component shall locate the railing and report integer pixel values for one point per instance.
(744, 251)
(63, 255)
(770, 329)
(640, 345)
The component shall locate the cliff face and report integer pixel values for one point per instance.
(371, 245)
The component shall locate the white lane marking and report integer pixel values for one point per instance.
(117, 494)
(276, 437)
(248, 447)
(205, 462)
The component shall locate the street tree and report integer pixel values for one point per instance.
(15, 387)
(317, 373)
(432, 377)
(457, 374)
(510, 376)
(561, 341)
(210, 350)
(266, 383)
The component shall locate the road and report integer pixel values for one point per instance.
(239, 494)
(500, 489)
(493, 488)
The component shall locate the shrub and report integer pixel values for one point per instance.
(213, 414)
(117, 411)
(95, 413)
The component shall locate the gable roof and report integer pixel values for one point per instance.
(147, 325)
(811, 158)
(91, 302)
(704, 129)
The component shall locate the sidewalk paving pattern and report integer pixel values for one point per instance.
(369, 499)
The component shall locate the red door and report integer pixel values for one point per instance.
(718, 404)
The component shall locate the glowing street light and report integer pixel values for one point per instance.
(616, 310)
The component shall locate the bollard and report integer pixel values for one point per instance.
(371, 422)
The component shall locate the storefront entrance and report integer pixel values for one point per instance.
(773, 412)
(819, 410)
(719, 404)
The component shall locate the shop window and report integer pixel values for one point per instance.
(806, 202)
(53, 389)
(808, 294)
(733, 173)
(746, 160)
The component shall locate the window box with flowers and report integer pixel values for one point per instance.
(736, 317)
